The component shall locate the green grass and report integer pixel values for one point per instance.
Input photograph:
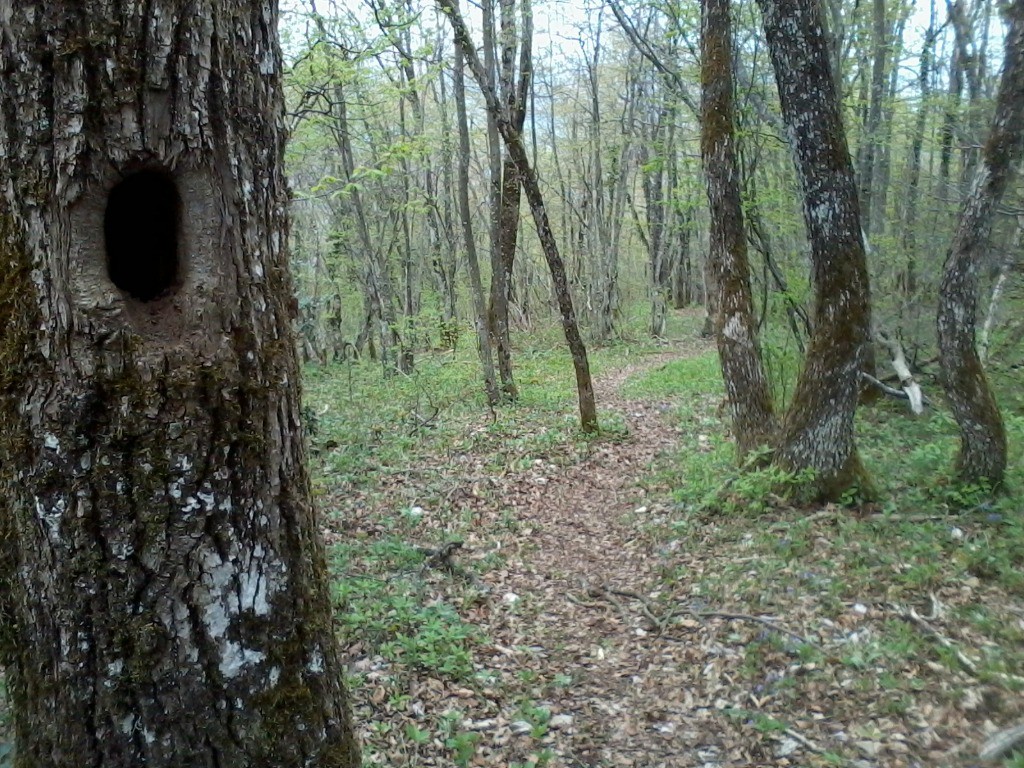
(392, 610)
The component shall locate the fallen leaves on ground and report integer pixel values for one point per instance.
(603, 645)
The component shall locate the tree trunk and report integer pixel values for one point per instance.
(1009, 266)
(908, 277)
(169, 602)
(444, 243)
(870, 142)
(514, 143)
(982, 456)
(498, 315)
(483, 338)
(750, 402)
(514, 94)
(818, 430)
(377, 270)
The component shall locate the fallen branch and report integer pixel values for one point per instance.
(912, 616)
(896, 517)
(801, 739)
(899, 364)
(899, 394)
(892, 391)
(764, 621)
(968, 664)
(1002, 743)
(661, 623)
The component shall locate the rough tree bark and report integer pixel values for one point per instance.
(165, 596)
(982, 456)
(750, 401)
(817, 432)
(514, 143)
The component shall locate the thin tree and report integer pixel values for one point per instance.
(514, 92)
(498, 311)
(750, 401)
(164, 597)
(982, 456)
(870, 146)
(817, 433)
(483, 341)
(514, 143)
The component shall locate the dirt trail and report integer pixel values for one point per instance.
(628, 701)
(585, 668)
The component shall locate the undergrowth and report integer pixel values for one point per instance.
(938, 565)
(854, 574)
(429, 442)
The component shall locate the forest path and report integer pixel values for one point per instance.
(575, 626)
(589, 655)
(593, 623)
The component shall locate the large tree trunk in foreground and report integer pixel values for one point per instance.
(166, 601)
(982, 456)
(818, 429)
(750, 402)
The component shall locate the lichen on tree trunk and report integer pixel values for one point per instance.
(817, 433)
(167, 587)
(750, 402)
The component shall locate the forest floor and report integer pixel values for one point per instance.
(583, 617)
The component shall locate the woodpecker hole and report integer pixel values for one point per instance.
(141, 227)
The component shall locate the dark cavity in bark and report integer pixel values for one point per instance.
(141, 227)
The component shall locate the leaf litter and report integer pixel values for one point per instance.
(618, 629)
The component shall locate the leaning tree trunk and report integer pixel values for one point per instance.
(750, 401)
(166, 601)
(514, 143)
(982, 456)
(818, 429)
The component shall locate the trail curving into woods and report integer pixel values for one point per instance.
(617, 629)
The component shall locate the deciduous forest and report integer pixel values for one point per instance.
(512, 383)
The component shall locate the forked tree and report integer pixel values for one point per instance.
(817, 432)
(513, 142)
(164, 597)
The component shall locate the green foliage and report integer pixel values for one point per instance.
(461, 744)
(927, 536)
(696, 381)
(390, 611)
